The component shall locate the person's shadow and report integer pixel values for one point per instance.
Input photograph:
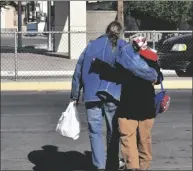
(50, 159)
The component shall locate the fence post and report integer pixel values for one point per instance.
(49, 41)
(15, 56)
(154, 39)
(49, 25)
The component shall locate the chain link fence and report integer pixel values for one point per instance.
(38, 57)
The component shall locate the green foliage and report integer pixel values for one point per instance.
(172, 11)
(4, 4)
(190, 21)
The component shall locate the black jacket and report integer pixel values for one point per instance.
(137, 94)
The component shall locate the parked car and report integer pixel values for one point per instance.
(176, 53)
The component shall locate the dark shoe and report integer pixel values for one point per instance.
(94, 169)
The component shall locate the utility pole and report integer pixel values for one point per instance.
(19, 13)
(120, 11)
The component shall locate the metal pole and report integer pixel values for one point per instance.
(49, 25)
(26, 18)
(54, 28)
(15, 56)
(19, 24)
(0, 16)
(154, 39)
(33, 10)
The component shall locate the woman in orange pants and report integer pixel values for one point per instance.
(136, 113)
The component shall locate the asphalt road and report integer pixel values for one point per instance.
(28, 121)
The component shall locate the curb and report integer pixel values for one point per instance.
(169, 73)
(37, 73)
(59, 86)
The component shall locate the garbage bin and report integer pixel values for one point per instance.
(32, 27)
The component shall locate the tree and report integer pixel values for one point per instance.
(4, 4)
(190, 21)
(120, 11)
(172, 11)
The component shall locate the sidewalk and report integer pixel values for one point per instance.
(55, 85)
(41, 70)
(34, 62)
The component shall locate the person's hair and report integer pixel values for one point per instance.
(114, 30)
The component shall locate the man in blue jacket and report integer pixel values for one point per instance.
(101, 96)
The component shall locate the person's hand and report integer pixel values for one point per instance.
(154, 82)
(75, 101)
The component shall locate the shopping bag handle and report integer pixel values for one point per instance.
(162, 88)
(64, 114)
(70, 106)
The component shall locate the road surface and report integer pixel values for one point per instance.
(29, 140)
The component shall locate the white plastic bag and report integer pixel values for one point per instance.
(69, 122)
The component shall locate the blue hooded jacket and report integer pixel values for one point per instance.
(91, 83)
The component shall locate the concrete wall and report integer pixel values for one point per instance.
(70, 16)
(77, 24)
(97, 22)
(61, 23)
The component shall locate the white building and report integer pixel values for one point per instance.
(9, 18)
(2, 18)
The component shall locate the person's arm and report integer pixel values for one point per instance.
(76, 79)
(105, 70)
(132, 61)
(160, 74)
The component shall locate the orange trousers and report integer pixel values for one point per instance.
(136, 145)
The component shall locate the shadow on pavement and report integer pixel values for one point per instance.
(31, 49)
(50, 159)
